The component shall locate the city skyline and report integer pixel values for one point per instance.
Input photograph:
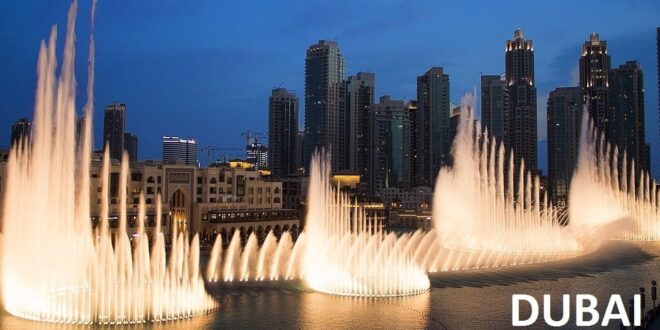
(149, 93)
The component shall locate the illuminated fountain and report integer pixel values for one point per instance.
(608, 191)
(479, 219)
(55, 267)
(341, 251)
(348, 253)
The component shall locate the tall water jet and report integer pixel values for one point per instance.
(55, 267)
(477, 214)
(615, 200)
(346, 252)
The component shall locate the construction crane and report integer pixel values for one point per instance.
(210, 149)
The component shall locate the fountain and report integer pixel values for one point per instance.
(480, 219)
(55, 267)
(341, 251)
(609, 190)
(348, 253)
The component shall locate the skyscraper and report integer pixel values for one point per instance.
(114, 126)
(282, 132)
(411, 108)
(594, 68)
(564, 118)
(179, 151)
(494, 105)
(131, 146)
(433, 143)
(626, 101)
(325, 114)
(359, 106)
(20, 130)
(521, 130)
(390, 145)
(257, 154)
(657, 45)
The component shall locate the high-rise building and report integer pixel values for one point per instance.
(433, 143)
(359, 106)
(131, 146)
(114, 127)
(564, 120)
(494, 105)
(300, 151)
(594, 68)
(282, 132)
(20, 131)
(411, 108)
(657, 44)
(390, 146)
(257, 154)
(179, 151)
(521, 130)
(626, 101)
(325, 114)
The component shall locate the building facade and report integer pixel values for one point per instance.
(411, 108)
(495, 106)
(626, 101)
(179, 151)
(390, 146)
(325, 114)
(360, 91)
(519, 75)
(257, 154)
(433, 112)
(131, 146)
(114, 127)
(206, 201)
(283, 133)
(564, 120)
(594, 69)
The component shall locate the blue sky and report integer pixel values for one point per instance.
(205, 69)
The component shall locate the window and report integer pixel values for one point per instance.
(250, 190)
(212, 200)
(150, 190)
(199, 199)
(149, 201)
(213, 181)
(199, 190)
(276, 200)
(150, 179)
(277, 190)
(229, 180)
(199, 180)
(159, 179)
(136, 176)
(259, 190)
(268, 190)
(212, 190)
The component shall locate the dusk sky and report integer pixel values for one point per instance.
(205, 69)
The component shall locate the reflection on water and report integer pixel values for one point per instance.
(481, 300)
